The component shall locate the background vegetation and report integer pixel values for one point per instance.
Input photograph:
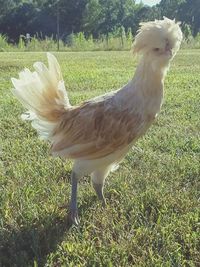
(88, 24)
(153, 212)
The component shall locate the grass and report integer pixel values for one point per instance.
(152, 216)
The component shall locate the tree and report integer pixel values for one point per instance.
(71, 14)
(103, 16)
(126, 16)
(19, 20)
(92, 17)
(6, 6)
(189, 13)
(169, 8)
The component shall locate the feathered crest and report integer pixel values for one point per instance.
(154, 34)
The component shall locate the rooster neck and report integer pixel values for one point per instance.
(147, 87)
(149, 78)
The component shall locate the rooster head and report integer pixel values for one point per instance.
(159, 39)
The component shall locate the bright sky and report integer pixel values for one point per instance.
(148, 2)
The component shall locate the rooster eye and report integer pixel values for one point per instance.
(156, 49)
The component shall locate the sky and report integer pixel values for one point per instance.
(148, 2)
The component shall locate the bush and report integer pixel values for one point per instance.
(119, 39)
(4, 45)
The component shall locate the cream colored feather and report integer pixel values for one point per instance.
(98, 133)
(106, 124)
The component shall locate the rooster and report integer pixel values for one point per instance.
(98, 133)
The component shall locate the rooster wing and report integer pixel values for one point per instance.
(95, 130)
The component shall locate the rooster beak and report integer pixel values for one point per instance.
(168, 49)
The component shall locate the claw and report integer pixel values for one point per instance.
(104, 202)
(73, 217)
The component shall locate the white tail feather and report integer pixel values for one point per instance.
(43, 93)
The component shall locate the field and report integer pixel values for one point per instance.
(152, 216)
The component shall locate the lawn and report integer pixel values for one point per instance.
(152, 216)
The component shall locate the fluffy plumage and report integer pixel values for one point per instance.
(98, 133)
(154, 34)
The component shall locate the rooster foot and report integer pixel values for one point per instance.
(73, 217)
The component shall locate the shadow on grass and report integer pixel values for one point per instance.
(28, 244)
(22, 247)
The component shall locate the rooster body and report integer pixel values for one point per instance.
(98, 133)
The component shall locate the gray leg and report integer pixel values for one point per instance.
(73, 202)
(98, 179)
(99, 191)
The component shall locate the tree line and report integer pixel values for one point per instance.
(93, 17)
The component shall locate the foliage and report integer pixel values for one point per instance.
(192, 42)
(152, 214)
(117, 40)
(186, 29)
(170, 8)
(96, 17)
(189, 12)
(4, 45)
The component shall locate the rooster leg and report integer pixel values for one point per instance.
(99, 191)
(73, 214)
(98, 179)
